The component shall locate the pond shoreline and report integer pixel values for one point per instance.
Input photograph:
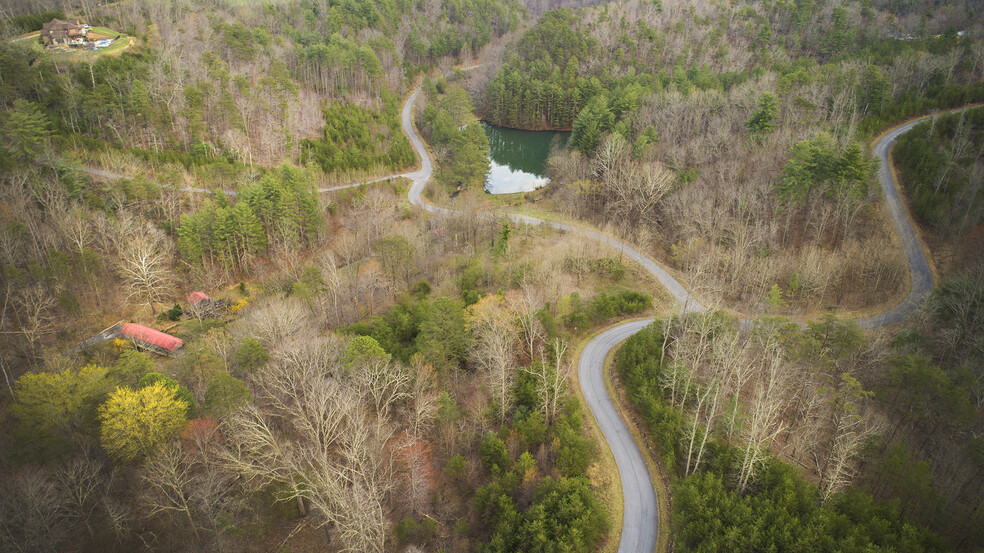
(516, 128)
(518, 157)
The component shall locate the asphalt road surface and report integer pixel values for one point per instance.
(922, 277)
(640, 520)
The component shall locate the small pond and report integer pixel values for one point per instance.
(519, 158)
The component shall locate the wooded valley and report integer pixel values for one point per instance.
(227, 325)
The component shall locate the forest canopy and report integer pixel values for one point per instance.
(243, 309)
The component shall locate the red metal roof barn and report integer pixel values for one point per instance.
(151, 337)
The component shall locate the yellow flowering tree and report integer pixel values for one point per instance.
(135, 422)
(53, 408)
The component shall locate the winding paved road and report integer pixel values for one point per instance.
(640, 515)
(640, 512)
(640, 519)
(922, 276)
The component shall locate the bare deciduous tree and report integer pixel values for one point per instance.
(118, 517)
(191, 485)
(491, 321)
(145, 264)
(527, 306)
(168, 483)
(82, 480)
(764, 422)
(725, 376)
(332, 280)
(273, 321)
(550, 379)
(851, 434)
(632, 188)
(220, 341)
(33, 513)
(324, 450)
(35, 313)
(385, 384)
(423, 391)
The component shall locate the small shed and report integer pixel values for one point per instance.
(204, 306)
(148, 338)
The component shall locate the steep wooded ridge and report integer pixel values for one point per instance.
(255, 297)
(639, 532)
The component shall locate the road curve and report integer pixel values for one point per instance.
(422, 176)
(640, 518)
(640, 514)
(922, 276)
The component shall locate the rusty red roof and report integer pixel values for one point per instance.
(196, 297)
(151, 336)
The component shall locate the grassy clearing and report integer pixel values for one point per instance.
(82, 55)
(114, 50)
(546, 215)
(515, 199)
(31, 44)
(105, 31)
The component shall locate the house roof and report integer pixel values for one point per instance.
(59, 25)
(151, 336)
(196, 297)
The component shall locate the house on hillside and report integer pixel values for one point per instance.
(58, 32)
(152, 340)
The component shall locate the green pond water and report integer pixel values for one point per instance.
(519, 158)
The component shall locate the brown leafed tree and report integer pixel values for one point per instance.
(418, 472)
